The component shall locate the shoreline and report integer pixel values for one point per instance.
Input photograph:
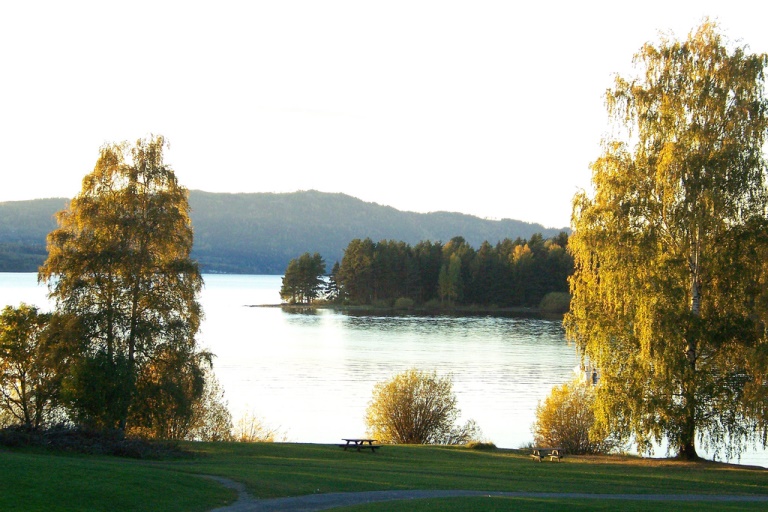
(419, 311)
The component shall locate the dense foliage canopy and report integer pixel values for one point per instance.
(669, 291)
(35, 351)
(120, 262)
(511, 273)
(303, 281)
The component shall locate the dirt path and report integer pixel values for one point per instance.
(314, 502)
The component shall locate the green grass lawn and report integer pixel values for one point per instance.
(39, 481)
(54, 482)
(496, 504)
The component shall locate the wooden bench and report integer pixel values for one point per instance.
(360, 444)
(554, 454)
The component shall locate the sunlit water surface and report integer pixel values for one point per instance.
(311, 374)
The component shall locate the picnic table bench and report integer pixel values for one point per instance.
(361, 444)
(554, 454)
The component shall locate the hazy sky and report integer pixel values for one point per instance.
(492, 108)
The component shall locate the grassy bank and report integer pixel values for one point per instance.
(38, 481)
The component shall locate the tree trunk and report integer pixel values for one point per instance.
(687, 447)
(128, 391)
(688, 452)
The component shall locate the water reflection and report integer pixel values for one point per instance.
(313, 373)
(300, 311)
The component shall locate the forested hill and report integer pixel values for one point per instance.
(23, 228)
(260, 233)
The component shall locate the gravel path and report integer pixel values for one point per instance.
(314, 502)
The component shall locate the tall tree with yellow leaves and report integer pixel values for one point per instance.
(120, 262)
(669, 250)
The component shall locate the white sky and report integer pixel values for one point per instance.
(492, 108)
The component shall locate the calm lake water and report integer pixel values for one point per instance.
(311, 374)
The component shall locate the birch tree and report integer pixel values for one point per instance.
(120, 262)
(669, 290)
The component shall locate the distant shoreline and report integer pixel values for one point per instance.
(474, 310)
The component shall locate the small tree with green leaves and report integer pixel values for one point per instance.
(449, 280)
(36, 352)
(211, 419)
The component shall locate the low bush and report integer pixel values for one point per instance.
(480, 445)
(565, 420)
(381, 304)
(555, 303)
(64, 438)
(250, 428)
(404, 303)
(417, 407)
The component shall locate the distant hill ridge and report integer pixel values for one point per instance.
(258, 233)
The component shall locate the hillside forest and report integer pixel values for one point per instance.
(259, 233)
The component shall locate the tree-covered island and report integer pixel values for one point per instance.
(512, 273)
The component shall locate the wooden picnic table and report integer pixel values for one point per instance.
(361, 444)
(554, 454)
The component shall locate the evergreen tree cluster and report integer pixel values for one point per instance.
(512, 273)
(303, 281)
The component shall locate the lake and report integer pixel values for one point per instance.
(311, 374)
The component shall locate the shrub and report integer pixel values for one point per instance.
(416, 407)
(252, 429)
(565, 420)
(381, 304)
(65, 438)
(211, 419)
(404, 303)
(481, 445)
(555, 303)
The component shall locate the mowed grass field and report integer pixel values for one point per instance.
(35, 480)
